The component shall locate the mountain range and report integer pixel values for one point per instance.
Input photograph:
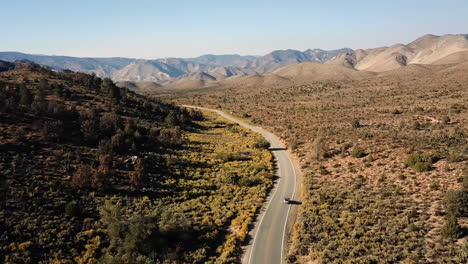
(216, 67)
(205, 69)
(429, 49)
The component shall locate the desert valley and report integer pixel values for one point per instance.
(310, 156)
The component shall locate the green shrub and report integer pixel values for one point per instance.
(346, 146)
(355, 123)
(128, 235)
(454, 156)
(417, 125)
(465, 182)
(196, 115)
(358, 153)
(262, 144)
(459, 134)
(413, 228)
(422, 166)
(323, 170)
(170, 137)
(249, 181)
(451, 229)
(71, 209)
(462, 253)
(456, 202)
(106, 85)
(319, 148)
(232, 178)
(26, 97)
(420, 162)
(58, 89)
(412, 214)
(457, 108)
(171, 119)
(446, 120)
(233, 128)
(226, 157)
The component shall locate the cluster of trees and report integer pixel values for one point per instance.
(96, 126)
(91, 139)
(206, 197)
(143, 238)
(456, 205)
(63, 122)
(88, 177)
(18, 97)
(109, 88)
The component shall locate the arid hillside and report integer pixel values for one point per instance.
(428, 49)
(384, 159)
(92, 173)
(208, 70)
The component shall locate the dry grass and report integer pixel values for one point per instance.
(400, 113)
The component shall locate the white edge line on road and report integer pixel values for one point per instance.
(289, 208)
(219, 112)
(263, 215)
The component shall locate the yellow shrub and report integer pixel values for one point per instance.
(88, 256)
(89, 233)
(24, 246)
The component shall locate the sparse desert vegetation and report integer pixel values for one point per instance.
(219, 132)
(379, 154)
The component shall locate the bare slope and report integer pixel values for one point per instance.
(139, 86)
(429, 49)
(266, 80)
(454, 58)
(312, 71)
(298, 73)
(143, 70)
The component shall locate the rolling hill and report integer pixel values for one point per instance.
(140, 70)
(192, 72)
(313, 71)
(144, 70)
(100, 66)
(429, 49)
(82, 158)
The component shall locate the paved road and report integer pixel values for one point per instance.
(268, 244)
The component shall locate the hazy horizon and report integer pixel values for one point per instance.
(155, 29)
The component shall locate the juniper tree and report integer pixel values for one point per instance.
(25, 95)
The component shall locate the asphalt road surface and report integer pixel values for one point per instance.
(269, 236)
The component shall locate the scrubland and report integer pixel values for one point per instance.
(384, 160)
(91, 173)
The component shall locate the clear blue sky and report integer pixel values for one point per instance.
(176, 28)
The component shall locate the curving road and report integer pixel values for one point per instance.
(269, 236)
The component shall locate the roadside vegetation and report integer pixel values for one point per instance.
(384, 162)
(92, 173)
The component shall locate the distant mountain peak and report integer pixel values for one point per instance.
(424, 50)
(140, 61)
